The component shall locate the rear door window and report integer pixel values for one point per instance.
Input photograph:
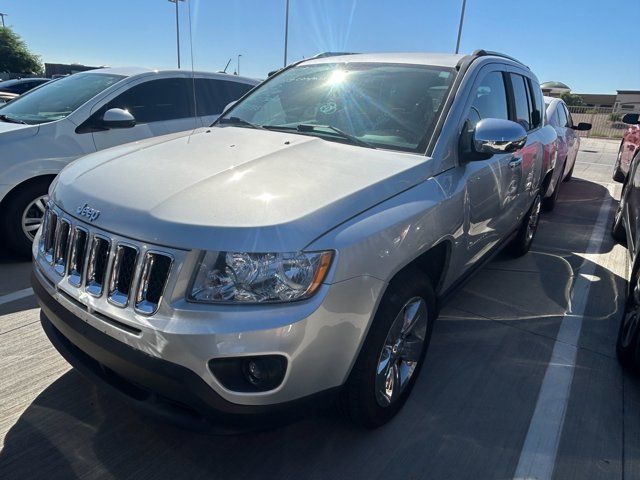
(156, 100)
(537, 104)
(521, 101)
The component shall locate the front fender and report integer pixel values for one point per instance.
(386, 238)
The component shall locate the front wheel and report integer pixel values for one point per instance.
(393, 353)
(627, 345)
(23, 212)
(617, 229)
(521, 244)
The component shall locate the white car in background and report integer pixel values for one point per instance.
(45, 129)
(568, 144)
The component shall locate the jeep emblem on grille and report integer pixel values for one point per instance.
(88, 212)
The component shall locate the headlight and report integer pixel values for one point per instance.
(233, 277)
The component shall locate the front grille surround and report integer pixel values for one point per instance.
(122, 273)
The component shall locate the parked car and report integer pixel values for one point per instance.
(559, 117)
(301, 247)
(7, 97)
(626, 229)
(45, 129)
(629, 147)
(9, 89)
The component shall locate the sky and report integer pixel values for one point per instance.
(583, 43)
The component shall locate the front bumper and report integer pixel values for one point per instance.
(179, 386)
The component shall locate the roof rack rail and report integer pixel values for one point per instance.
(485, 53)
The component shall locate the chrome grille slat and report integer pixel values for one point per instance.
(131, 274)
(79, 243)
(50, 236)
(153, 280)
(122, 273)
(97, 265)
(61, 247)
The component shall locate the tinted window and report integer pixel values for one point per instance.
(537, 104)
(521, 101)
(56, 100)
(490, 99)
(562, 116)
(213, 95)
(156, 100)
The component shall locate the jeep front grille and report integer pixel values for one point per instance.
(98, 263)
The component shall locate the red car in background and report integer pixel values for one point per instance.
(629, 147)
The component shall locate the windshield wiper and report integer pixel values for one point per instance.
(238, 122)
(4, 118)
(309, 127)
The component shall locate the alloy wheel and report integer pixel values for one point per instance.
(33, 216)
(534, 218)
(401, 351)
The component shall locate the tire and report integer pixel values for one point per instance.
(364, 399)
(628, 342)
(521, 244)
(25, 203)
(618, 174)
(569, 175)
(549, 203)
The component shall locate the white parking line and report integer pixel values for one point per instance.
(538, 454)
(12, 297)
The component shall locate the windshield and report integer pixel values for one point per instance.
(389, 106)
(57, 99)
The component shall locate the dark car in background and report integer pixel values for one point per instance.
(625, 229)
(629, 147)
(10, 89)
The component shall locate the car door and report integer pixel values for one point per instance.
(213, 95)
(160, 106)
(493, 183)
(523, 108)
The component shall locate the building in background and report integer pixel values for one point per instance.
(628, 100)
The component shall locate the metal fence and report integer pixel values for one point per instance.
(606, 121)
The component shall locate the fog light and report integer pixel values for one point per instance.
(249, 374)
(255, 372)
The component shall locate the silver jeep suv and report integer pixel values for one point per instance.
(300, 247)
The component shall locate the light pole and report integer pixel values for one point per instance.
(177, 29)
(239, 55)
(286, 32)
(3, 15)
(464, 6)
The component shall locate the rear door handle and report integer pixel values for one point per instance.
(516, 162)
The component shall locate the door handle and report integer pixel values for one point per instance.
(516, 162)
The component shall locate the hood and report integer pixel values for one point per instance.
(16, 130)
(230, 188)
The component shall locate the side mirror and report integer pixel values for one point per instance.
(118, 118)
(582, 126)
(495, 135)
(229, 105)
(631, 118)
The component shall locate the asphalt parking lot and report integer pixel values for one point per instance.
(521, 381)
